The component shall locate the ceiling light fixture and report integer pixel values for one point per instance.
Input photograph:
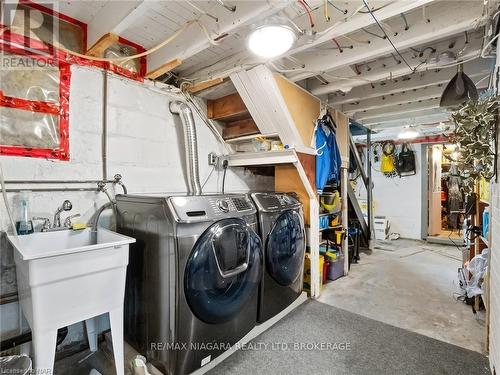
(271, 40)
(408, 134)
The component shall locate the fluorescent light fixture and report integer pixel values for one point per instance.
(271, 40)
(408, 134)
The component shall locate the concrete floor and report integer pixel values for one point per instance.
(411, 285)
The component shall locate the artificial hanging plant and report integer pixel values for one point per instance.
(475, 134)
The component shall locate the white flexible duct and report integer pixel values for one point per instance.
(190, 143)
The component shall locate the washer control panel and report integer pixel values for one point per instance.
(223, 205)
(241, 204)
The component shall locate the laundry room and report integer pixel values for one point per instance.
(250, 187)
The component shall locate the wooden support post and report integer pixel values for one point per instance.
(344, 178)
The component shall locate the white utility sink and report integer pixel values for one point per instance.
(69, 276)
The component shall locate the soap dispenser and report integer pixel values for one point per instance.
(24, 225)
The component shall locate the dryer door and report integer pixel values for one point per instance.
(223, 271)
(285, 248)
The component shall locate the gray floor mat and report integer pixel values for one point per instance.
(374, 348)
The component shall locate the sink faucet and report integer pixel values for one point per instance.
(46, 223)
(67, 222)
(66, 206)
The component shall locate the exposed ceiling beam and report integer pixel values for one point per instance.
(401, 98)
(112, 17)
(344, 27)
(397, 117)
(193, 40)
(432, 119)
(359, 21)
(476, 70)
(445, 21)
(388, 67)
(402, 110)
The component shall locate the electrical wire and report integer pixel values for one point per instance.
(208, 177)
(356, 11)
(207, 34)
(224, 166)
(374, 34)
(338, 45)
(343, 11)
(407, 27)
(488, 45)
(356, 40)
(389, 39)
(425, 16)
(202, 11)
(374, 10)
(127, 58)
(308, 11)
(325, 10)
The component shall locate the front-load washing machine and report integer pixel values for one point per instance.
(193, 276)
(281, 226)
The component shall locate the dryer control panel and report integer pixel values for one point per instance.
(275, 201)
(210, 207)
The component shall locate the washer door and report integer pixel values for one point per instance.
(223, 271)
(285, 248)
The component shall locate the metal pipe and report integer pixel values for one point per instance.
(94, 220)
(16, 182)
(104, 140)
(46, 190)
(190, 143)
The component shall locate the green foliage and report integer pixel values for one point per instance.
(475, 128)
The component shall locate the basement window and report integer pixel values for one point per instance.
(34, 96)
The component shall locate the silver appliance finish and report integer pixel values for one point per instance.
(280, 218)
(159, 320)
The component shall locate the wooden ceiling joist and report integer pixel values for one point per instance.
(104, 42)
(205, 85)
(165, 68)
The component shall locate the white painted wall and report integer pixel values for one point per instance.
(399, 199)
(145, 145)
(494, 271)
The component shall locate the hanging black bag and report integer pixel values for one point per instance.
(406, 161)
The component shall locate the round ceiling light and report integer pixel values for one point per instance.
(271, 40)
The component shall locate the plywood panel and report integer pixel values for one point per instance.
(303, 107)
(287, 179)
(342, 122)
(227, 108)
(240, 128)
(309, 164)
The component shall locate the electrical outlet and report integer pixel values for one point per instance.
(212, 158)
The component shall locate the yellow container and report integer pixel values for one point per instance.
(307, 272)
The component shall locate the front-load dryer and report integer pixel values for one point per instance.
(193, 276)
(281, 226)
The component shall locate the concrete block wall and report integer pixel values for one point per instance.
(399, 199)
(145, 145)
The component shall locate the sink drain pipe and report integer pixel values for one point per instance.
(190, 143)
